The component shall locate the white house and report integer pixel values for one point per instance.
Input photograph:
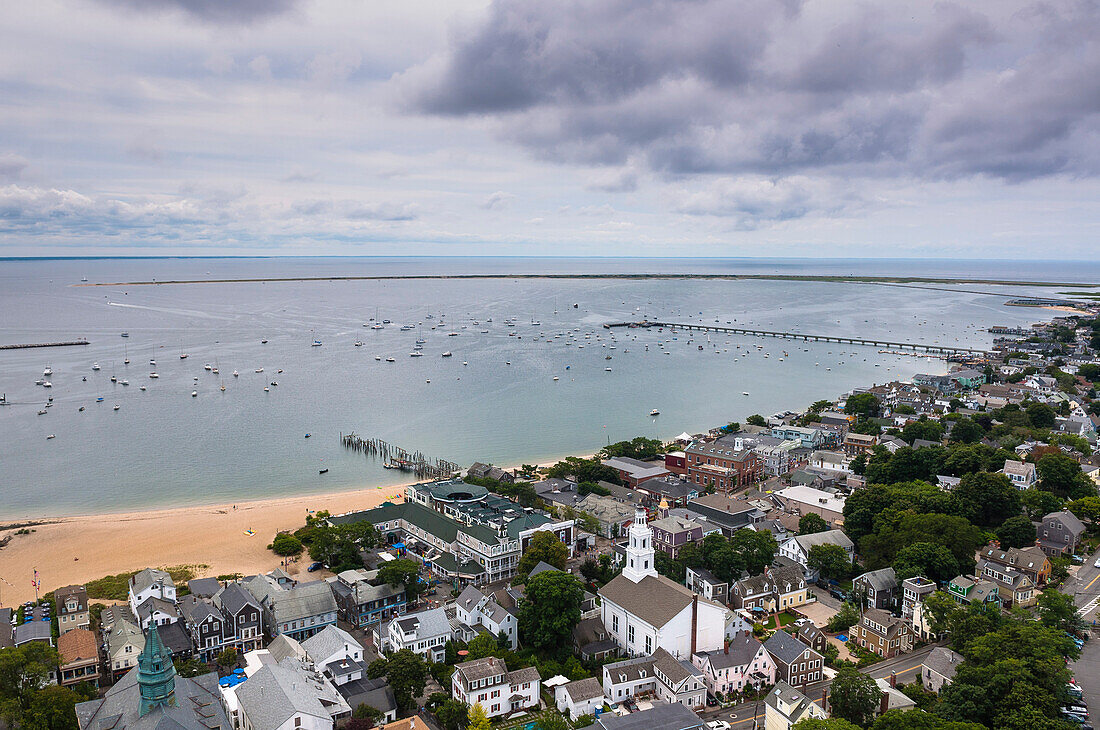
(474, 608)
(336, 653)
(643, 611)
(286, 695)
(742, 663)
(673, 680)
(1020, 473)
(425, 633)
(488, 682)
(581, 697)
(156, 610)
(785, 707)
(798, 548)
(150, 583)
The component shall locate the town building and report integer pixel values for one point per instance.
(776, 589)
(361, 603)
(424, 632)
(798, 548)
(488, 682)
(670, 490)
(150, 583)
(703, 582)
(913, 591)
(288, 694)
(125, 643)
(670, 534)
(1031, 561)
(244, 616)
(335, 653)
(634, 472)
(880, 588)
(1060, 533)
(642, 610)
(579, 697)
(1021, 474)
(298, 610)
(676, 681)
(79, 654)
(806, 500)
(795, 663)
(72, 608)
(613, 516)
(474, 609)
(660, 716)
(857, 444)
(785, 707)
(809, 438)
(1013, 587)
(812, 636)
(722, 466)
(487, 471)
(938, 668)
(884, 634)
(742, 663)
(971, 589)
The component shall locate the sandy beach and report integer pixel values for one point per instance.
(79, 549)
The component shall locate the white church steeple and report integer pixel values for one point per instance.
(639, 549)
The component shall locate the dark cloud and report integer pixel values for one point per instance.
(219, 12)
(1009, 90)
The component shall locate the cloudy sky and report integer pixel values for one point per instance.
(537, 127)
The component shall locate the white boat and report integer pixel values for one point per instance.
(236, 374)
(555, 377)
(47, 384)
(51, 436)
(124, 382)
(744, 392)
(316, 343)
(206, 367)
(42, 412)
(117, 406)
(223, 388)
(194, 394)
(142, 388)
(47, 372)
(655, 412)
(358, 343)
(607, 370)
(416, 353)
(267, 389)
(95, 366)
(259, 370)
(183, 356)
(378, 358)
(452, 334)
(39, 381)
(377, 327)
(390, 359)
(154, 376)
(152, 363)
(446, 354)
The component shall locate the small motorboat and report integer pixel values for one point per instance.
(207, 367)
(416, 353)
(267, 389)
(316, 343)
(124, 382)
(390, 359)
(47, 372)
(142, 388)
(125, 334)
(308, 435)
(323, 471)
(655, 412)
(99, 399)
(607, 370)
(95, 366)
(194, 394)
(378, 357)
(259, 370)
(42, 413)
(236, 374)
(183, 356)
(263, 342)
(446, 354)
(80, 410)
(222, 388)
(358, 343)
(51, 436)
(556, 377)
(114, 379)
(154, 376)
(117, 406)
(47, 384)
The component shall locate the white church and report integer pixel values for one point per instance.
(642, 610)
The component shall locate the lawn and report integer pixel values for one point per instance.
(530, 719)
(785, 618)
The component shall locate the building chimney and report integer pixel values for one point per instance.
(694, 620)
(727, 646)
(884, 703)
(893, 679)
(825, 699)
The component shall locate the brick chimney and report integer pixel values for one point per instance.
(727, 646)
(694, 620)
(893, 679)
(825, 699)
(884, 703)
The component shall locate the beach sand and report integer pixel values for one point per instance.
(79, 549)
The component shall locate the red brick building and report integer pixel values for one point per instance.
(722, 466)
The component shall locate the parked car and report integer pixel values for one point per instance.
(711, 701)
(718, 725)
(838, 594)
(1076, 559)
(1097, 563)
(315, 566)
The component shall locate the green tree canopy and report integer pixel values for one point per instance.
(1038, 502)
(755, 549)
(583, 470)
(551, 607)
(338, 546)
(853, 696)
(810, 523)
(286, 544)
(1016, 532)
(639, 447)
(966, 431)
(406, 673)
(402, 572)
(545, 547)
(864, 405)
(927, 559)
(830, 560)
(756, 420)
(988, 499)
(1061, 475)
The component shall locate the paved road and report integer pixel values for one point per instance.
(906, 666)
(1086, 672)
(1085, 586)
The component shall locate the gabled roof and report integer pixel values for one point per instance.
(233, 597)
(1069, 521)
(148, 577)
(881, 580)
(662, 716)
(483, 668)
(204, 587)
(77, 645)
(432, 622)
(654, 599)
(785, 648)
(198, 707)
(943, 661)
(277, 692)
(541, 567)
(829, 537)
(328, 642)
(742, 650)
(583, 689)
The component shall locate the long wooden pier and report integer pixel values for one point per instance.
(869, 341)
(43, 344)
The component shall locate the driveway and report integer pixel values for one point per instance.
(817, 612)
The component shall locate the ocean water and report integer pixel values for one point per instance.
(495, 400)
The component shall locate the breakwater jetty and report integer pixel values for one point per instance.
(28, 346)
(395, 457)
(947, 350)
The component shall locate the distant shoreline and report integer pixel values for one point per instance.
(621, 276)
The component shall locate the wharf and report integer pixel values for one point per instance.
(31, 345)
(869, 341)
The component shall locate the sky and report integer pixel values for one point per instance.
(530, 127)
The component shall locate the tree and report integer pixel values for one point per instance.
(23, 671)
(478, 719)
(830, 560)
(988, 499)
(941, 612)
(853, 696)
(756, 550)
(1087, 508)
(544, 547)
(1038, 503)
(481, 646)
(966, 431)
(864, 405)
(845, 618)
(338, 546)
(1040, 414)
(1058, 610)
(52, 708)
(919, 720)
(859, 465)
(1060, 474)
(833, 723)
(363, 711)
(286, 544)
(584, 470)
(227, 657)
(549, 610)
(927, 559)
(402, 572)
(756, 420)
(406, 673)
(451, 714)
(638, 448)
(1016, 532)
(924, 429)
(810, 523)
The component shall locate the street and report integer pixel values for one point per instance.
(907, 667)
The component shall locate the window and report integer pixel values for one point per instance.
(630, 634)
(297, 722)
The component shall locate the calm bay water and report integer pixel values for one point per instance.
(165, 448)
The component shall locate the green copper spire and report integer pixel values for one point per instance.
(156, 673)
